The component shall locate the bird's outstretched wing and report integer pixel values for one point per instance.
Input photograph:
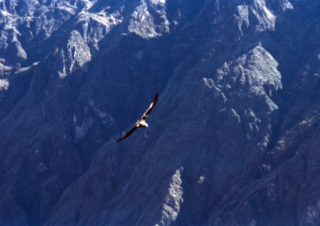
(145, 115)
(128, 134)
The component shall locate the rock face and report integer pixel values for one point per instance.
(234, 137)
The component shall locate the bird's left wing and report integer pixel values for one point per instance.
(145, 115)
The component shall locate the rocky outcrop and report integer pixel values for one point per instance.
(233, 139)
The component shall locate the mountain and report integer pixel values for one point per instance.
(233, 139)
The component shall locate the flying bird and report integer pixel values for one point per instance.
(142, 121)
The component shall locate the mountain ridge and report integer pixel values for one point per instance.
(232, 140)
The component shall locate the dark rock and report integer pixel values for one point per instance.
(233, 139)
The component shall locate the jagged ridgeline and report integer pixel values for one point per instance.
(234, 137)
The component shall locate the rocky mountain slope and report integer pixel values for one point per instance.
(233, 139)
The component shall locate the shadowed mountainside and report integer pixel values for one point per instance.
(233, 139)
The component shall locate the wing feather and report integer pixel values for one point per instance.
(145, 115)
(128, 134)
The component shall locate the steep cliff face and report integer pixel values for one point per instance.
(233, 139)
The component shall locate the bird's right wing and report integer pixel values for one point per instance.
(128, 134)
